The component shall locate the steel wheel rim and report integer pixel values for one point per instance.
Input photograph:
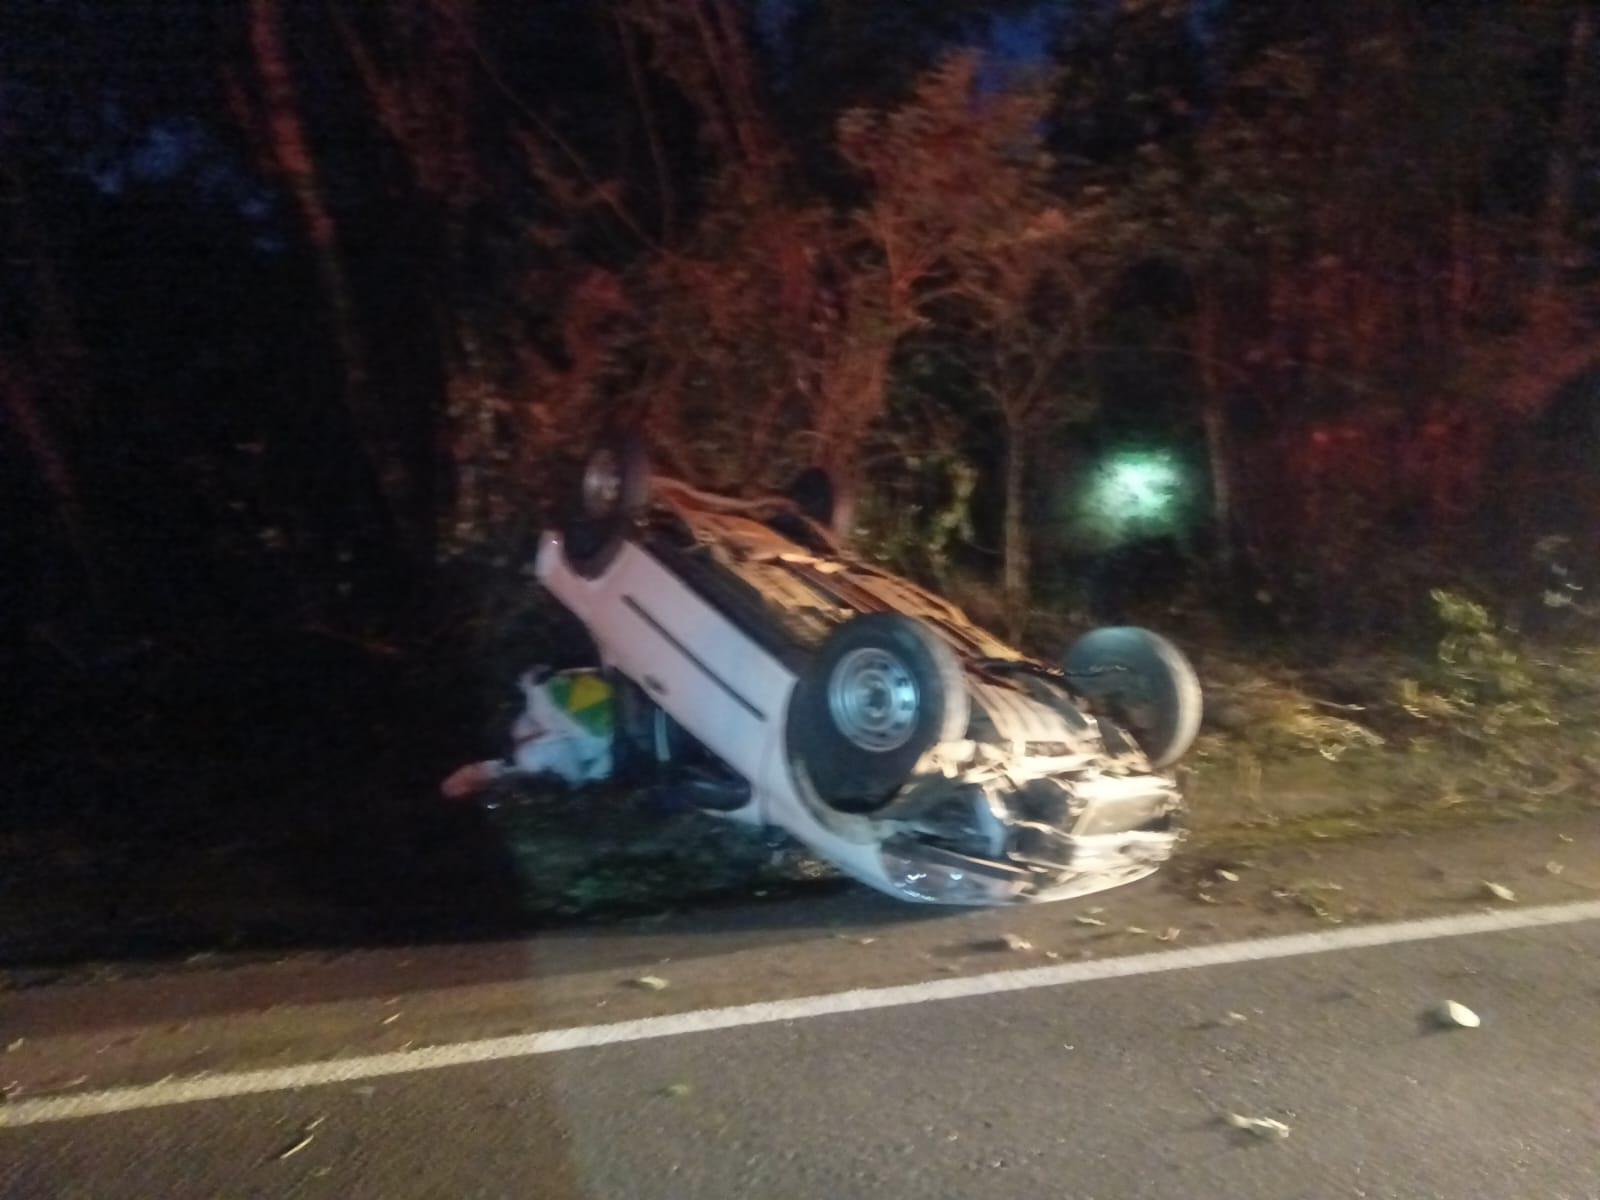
(874, 700)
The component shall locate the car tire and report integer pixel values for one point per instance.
(812, 492)
(1142, 682)
(882, 690)
(611, 495)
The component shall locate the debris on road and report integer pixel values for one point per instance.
(16, 1045)
(650, 983)
(291, 1151)
(1228, 876)
(1005, 942)
(675, 1091)
(1500, 891)
(1553, 868)
(1234, 1018)
(1087, 920)
(390, 1019)
(1314, 898)
(1171, 935)
(1261, 1127)
(1456, 1016)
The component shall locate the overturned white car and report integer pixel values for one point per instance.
(794, 686)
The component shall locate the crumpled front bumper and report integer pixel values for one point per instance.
(928, 875)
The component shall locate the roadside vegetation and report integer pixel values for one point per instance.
(1269, 327)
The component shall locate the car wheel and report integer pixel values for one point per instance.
(813, 494)
(882, 690)
(1143, 683)
(611, 495)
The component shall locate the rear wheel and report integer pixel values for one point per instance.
(882, 690)
(820, 500)
(812, 493)
(1142, 682)
(611, 495)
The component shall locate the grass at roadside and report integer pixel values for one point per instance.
(1393, 743)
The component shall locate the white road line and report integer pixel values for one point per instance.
(555, 1041)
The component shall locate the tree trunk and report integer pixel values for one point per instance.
(1214, 420)
(1015, 538)
(292, 155)
(57, 342)
(19, 402)
(842, 465)
(57, 347)
(1562, 172)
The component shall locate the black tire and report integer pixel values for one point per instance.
(813, 494)
(882, 690)
(820, 499)
(1142, 682)
(601, 514)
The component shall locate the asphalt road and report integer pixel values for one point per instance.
(1110, 1087)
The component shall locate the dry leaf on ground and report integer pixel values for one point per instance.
(1006, 941)
(297, 1147)
(1456, 1016)
(1262, 1127)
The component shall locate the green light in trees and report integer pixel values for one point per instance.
(1137, 486)
(1130, 495)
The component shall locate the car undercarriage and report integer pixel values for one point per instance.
(792, 684)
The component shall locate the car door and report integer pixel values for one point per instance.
(691, 659)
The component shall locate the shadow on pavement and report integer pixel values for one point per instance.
(184, 815)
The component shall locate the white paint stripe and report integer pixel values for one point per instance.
(555, 1041)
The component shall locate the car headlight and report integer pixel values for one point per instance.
(922, 877)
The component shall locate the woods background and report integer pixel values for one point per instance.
(310, 305)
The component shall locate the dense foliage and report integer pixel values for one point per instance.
(310, 304)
